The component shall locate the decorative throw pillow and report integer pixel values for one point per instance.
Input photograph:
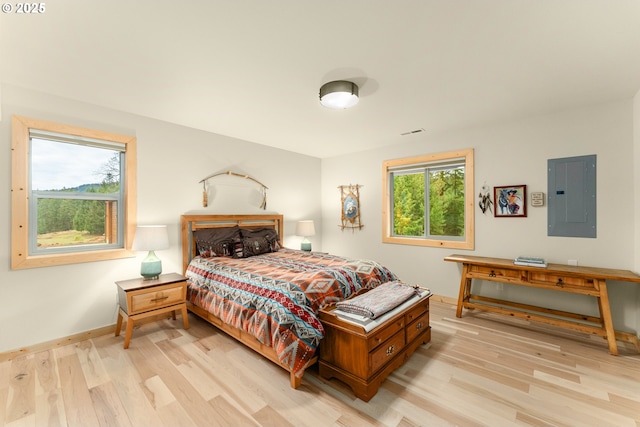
(216, 242)
(256, 241)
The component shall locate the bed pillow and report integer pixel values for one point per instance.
(216, 242)
(256, 241)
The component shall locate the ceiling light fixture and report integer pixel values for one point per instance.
(339, 94)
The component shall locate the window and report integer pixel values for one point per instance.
(73, 194)
(428, 200)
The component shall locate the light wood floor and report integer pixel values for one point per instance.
(480, 370)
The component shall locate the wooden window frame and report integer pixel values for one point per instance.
(20, 256)
(387, 235)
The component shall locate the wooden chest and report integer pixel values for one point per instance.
(363, 359)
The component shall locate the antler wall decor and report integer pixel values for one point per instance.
(264, 188)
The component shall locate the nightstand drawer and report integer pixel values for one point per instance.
(156, 297)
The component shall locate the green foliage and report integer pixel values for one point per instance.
(408, 205)
(55, 215)
(89, 216)
(446, 203)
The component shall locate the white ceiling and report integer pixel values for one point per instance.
(251, 69)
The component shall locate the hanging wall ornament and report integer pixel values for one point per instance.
(350, 206)
(205, 194)
(485, 202)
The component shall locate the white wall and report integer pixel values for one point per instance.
(39, 305)
(508, 154)
(636, 191)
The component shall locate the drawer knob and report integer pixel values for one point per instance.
(560, 282)
(159, 299)
(492, 274)
(419, 326)
(390, 350)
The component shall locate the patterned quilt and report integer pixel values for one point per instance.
(276, 296)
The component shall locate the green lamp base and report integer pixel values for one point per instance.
(151, 267)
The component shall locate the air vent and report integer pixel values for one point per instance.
(412, 132)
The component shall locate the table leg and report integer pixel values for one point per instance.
(127, 336)
(119, 323)
(465, 289)
(185, 317)
(605, 315)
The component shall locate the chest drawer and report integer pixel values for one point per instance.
(381, 336)
(416, 311)
(157, 297)
(386, 352)
(417, 327)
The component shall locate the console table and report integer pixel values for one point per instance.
(558, 277)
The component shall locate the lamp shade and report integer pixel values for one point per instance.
(151, 238)
(339, 94)
(305, 228)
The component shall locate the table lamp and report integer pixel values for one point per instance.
(151, 238)
(305, 229)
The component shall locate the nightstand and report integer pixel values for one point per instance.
(140, 298)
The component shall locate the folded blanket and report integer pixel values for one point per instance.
(379, 300)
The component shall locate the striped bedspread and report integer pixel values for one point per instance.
(275, 296)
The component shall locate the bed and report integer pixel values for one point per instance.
(243, 281)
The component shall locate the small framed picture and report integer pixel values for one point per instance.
(510, 201)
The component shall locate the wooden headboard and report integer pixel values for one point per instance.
(190, 223)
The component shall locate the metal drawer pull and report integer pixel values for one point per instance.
(419, 326)
(560, 282)
(159, 298)
(492, 274)
(390, 350)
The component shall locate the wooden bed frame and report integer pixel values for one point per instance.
(190, 223)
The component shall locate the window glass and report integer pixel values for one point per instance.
(76, 193)
(408, 204)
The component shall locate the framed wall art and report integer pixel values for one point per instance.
(510, 201)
